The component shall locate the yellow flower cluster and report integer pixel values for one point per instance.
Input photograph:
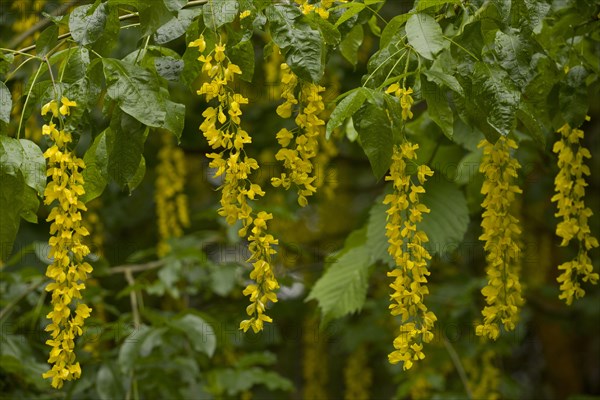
(297, 160)
(484, 377)
(406, 100)
(570, 190)
(501, 234)
(358, 376)
(314, 361)
(264, 290)
(222, 128)
(272, 69)
(93, 223)
(68, 271)
(321, 8)
(406, 247)
(171, 201)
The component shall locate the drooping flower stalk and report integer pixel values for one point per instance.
(171, 201)
(222, 129)
(501, 234)
(570, 192)
(68, 270)
(406, 246)
(300, 146)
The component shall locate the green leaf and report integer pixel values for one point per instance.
(442, 78)
(175, 118)
(342, 289)
(95, 174)
(199, 333)
(175, 5)
(513, 55)
(233, 382)
(351, 43)
(130, 349)
(438, 107)
(425, 4)
(176, 26)
(5, 103)
(330, 33)
(169, 68)
(425, 35)
(377, 242)
(448, 220)
(87, 23)
(301, 45)
(125, 144)
(74, 65)
(47, 40)
(136, 91)
(392, 29)
(153, 17)
(375, 132)
(352, 9)
(219, 12)
(34, 166)
(109, 384)
(573, 96)
(345, 109)
(11, 194)
(242, 54)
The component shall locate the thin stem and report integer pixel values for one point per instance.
(136, 267)
(33, 286)
(133, 299)
(121, 18)
(62, 73)
(27, 100)
(406, 68)
(379, 66)
(461, 47)
(51, 78)
(14, 71)
(20, 52)
(459, 367)
(142, 50)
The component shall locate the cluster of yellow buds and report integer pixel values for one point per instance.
(570, 191)
(171, 201)
(321, 8)
(297, 161)
(263, 291)
(484, 377)
(358, 376)
(406, 248)
(501, 234)
(68, 270)
(222, 129)
(406, 100)
(315, 363)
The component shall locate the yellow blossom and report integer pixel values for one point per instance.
(171, 201)
(297, 160)
(406, 100)
(501, 234)
(222, 129)
(245, 14)
(358, 376)
(406, 246)
(68, 270)
(570, 191)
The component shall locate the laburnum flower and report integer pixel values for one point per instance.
(406, 100)
(263, 289)
(358, 376)
(321, 8)
(68, 270)
(222, 129)
(171, 201)
(406, 246)
(315, 362)
(501, 234)
(298, 159)
(570, 191)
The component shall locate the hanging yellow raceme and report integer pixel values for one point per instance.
(315, 363)
(406, 246)
(501, 234)
(171, 201)
(68, 270)
(222, 129)
(484, 376)
(299, 147)
(570, 192)
(358, 376)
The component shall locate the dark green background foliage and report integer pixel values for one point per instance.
(479, 69)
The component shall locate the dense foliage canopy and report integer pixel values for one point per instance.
(299, 199)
